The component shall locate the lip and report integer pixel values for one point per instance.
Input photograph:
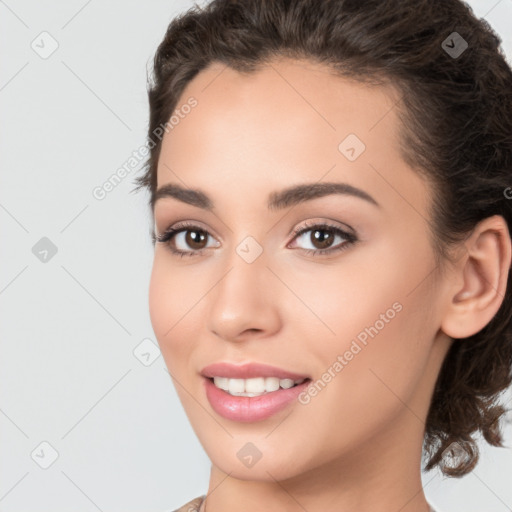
(248, 371)
(248, 409)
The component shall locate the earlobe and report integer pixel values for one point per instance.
(484, 270)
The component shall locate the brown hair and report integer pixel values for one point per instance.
(456, 130)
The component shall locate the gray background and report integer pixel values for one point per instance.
(72, 326)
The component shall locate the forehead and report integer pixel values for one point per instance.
(286, 91)
(288, 121)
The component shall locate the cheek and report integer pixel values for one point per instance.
(376, 311)
(173, 299)
(378, 381)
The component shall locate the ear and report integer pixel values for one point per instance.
(481, 279)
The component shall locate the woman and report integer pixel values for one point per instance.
(330, 188)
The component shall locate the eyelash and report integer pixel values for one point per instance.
(169, 234)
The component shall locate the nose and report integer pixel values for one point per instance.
(244, 302)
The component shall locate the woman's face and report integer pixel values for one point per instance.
(359, 318)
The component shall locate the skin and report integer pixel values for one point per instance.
(357, 444)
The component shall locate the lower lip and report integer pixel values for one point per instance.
(251, 408)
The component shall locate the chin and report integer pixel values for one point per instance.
(250, 457)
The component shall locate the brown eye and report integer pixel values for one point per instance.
(195, 239)
(185, 239)
(322, 237)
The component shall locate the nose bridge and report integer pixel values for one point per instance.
(243, 298)
(247, 257)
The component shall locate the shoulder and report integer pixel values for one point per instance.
(195, 504)
(192, 506)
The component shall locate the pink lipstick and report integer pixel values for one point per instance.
(251, 392)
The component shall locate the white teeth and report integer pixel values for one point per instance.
(271, 384)
(222, 383)
(286, 383)
(236, 386)
(255, 386)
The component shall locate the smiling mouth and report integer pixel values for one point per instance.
(255, 386)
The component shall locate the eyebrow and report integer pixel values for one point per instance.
(276, 200)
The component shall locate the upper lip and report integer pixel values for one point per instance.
(247, 371)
